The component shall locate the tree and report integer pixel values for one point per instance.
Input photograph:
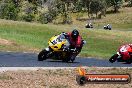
(8, 10)
(87, 4)
(77, 5)
(130, 3)
(60, 7)
(37, 2)
(96, 6)
(116, 4)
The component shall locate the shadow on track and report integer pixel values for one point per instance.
(60, 61)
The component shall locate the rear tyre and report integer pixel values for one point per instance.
(42, 55)
(73, 58)
(66, 60)
(113, 58)
(129, 61)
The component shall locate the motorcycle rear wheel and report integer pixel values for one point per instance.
(113, 58)
(66, 60)
(72, 58)
(129, 61)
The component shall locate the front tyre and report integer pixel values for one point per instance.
(42, 55)
(113, 58)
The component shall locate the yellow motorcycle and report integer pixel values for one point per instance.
(58, 49)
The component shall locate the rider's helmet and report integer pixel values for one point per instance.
(75, 34)
(108, 24)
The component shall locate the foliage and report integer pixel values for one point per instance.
(46, 17)
(116, 4)
(46, 11)
(8, 10)
(29, 10)
(78, 5)
(130, 3)
(96, 6)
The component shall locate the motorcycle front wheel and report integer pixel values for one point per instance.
(42, 55)
(113, 58)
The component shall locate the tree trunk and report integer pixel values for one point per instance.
(115, 9)
(96, 15)
(88, 12)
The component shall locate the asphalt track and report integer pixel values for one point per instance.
(13, 59)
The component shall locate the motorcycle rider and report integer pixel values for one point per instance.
(108, 26)
(76, 41)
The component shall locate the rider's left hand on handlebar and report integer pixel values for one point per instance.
(65, 48)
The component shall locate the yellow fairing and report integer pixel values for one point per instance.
(58, 45)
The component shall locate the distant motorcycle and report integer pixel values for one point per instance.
(58, 49)
(89, 25)
(124, 54)
(107, 27)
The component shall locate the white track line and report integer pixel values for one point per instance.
(3, 69)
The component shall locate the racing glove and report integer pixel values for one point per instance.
(65, 48)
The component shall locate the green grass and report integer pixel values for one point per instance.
(26, 34)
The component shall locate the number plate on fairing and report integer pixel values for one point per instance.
(123, 49)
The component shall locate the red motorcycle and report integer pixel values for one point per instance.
(124, 54)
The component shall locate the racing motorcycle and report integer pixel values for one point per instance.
(58, 49)
(124, 54)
